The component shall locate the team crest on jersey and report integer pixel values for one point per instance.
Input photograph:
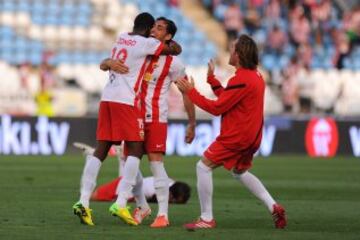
(141, 127)
(142, 134)
(147, 77)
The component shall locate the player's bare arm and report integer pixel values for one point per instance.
(215, 107)
(184, 85)
(114, 65)
(172, 48)
(190, 111)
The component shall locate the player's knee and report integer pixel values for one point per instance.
(139, 178)
(128, 182)
(135, 149)
(237, 174)
(201, 166)
(101, 155)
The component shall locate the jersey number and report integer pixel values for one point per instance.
(120, 54)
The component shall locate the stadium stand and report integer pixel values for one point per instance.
(317, 64)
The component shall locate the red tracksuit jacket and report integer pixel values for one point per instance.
(240, 105)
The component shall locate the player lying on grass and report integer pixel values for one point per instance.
(160, 73)
(179, 192)
(240, 105)
(119, 117)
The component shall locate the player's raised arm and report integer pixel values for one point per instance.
(212, 80)
(233, 94)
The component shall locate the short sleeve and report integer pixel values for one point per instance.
(177, 69)
(152, 46)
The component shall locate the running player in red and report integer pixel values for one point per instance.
(160, 73)
(240, 105)
(119, 116)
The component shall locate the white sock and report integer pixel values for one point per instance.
(161, 184)
(255, 186)
(121, 166)
(205, 190)
(139, 193)
(88, 179)
(128, 181)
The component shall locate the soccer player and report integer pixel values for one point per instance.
(160, 73)
(240, 105)
(119, 116)
(179, 192)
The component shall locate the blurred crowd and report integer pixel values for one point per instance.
(298, 35)
(46, 80)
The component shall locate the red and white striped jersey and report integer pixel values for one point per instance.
(160, 73)
(132, 49)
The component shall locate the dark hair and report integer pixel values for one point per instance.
(170, 26)
(248, 53)
(180, 191)
(144, 22)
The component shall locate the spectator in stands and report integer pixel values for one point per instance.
(305, 89)
(353, 30)
(24, 73)
(342, 48)
(258, 5)
(277, 41)
(299, 30)
(289, 93)
(47, 75)
(273, 13)
(44, 101)
(44, 98)
(305, 54)
(289, 86)
(252, 20)
(233, 22)
(173, 3)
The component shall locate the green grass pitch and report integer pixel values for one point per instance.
(321, 196)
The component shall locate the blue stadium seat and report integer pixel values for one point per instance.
(82, 21)
(91, 57)
(347, 63)
(21, 44)
(85, 8)
(220, 12)
(38, 8)
(20, 57)
(69, 8)
(35, 58)
(268, 61)
(6, 31)
(356, 62)
(51, 19)
(9, 6)
(24, 6)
